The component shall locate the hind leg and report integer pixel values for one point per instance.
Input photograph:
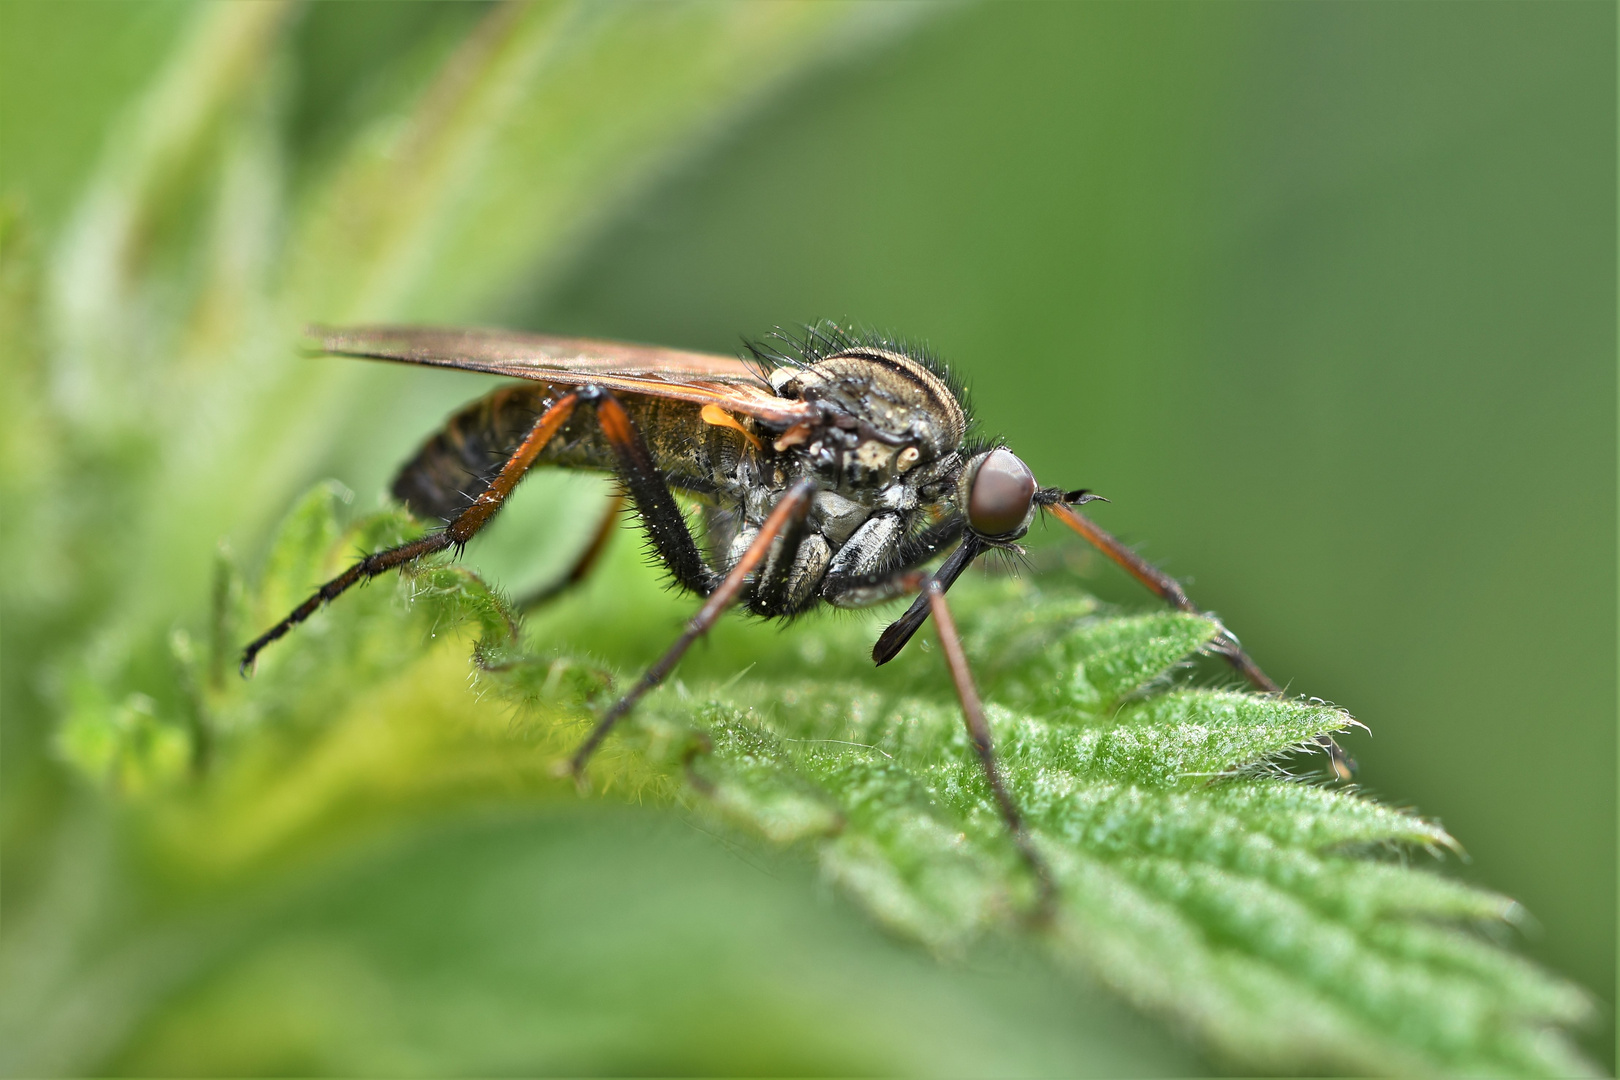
(456, 534)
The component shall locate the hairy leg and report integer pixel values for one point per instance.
(456, 534)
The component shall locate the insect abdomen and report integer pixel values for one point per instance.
(454, 466)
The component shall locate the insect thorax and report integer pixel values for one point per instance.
(885, 459)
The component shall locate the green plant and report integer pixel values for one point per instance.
(354, 861)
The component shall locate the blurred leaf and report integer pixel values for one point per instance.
(608, 942)
(65, 72)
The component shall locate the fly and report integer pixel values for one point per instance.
(831, 468)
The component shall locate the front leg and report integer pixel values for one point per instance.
(1169, 589)
(873, 563)
(978, 728)
(932, 588)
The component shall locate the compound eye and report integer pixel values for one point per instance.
(1001, 494)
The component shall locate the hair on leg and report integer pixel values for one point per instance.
(456, 534)
(661, 515)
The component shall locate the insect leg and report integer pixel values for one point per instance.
(583, 564)
(979, 732)
(850, 588)
(770, 596)
(1170, 590)
(456, 534)
(789, 509)
(894, 638)
(660, 514)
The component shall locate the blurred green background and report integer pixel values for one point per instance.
(1322, 296)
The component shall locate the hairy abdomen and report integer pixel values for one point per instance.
(454, 466)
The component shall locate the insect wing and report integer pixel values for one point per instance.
(724, 381)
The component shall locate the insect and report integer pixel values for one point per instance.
(831, 469)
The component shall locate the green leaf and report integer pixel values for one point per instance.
(1198, 879)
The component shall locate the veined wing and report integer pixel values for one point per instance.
(724, 381)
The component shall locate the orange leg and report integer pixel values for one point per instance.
(979, 733)
(456, 534)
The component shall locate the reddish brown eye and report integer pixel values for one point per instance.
(1002, 491)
